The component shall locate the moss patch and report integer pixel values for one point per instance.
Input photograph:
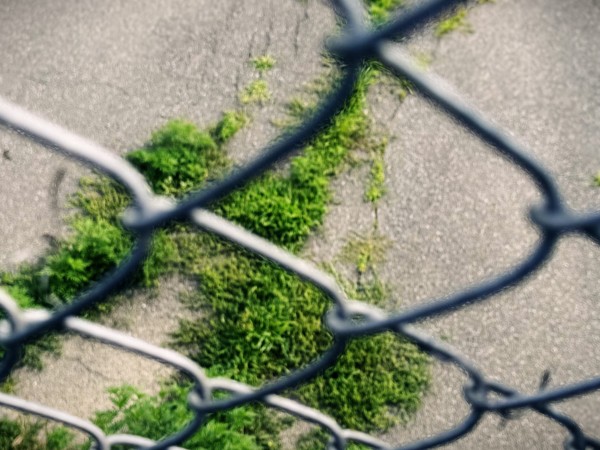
(263, 63)
(379, 10)
(456, 22)
(24, 435)
(260, 321)
(256, 92)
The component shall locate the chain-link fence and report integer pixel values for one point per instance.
(347, 319)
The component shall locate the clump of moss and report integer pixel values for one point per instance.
(263, 63)
(457, 21)
(264, 322)
(379, 10)
(36, 435)
(179, 157)
(256, 92)
(228, 126)
(159, 416)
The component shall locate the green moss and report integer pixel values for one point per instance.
(174, 156)
(376, 182)
(96, 247)
(597, 179)
(277, 321)
(263, 63)
(159, 416)
(379, 10)
(179, 157)
(458, 21)
(387, 386)
(262, 322)
(256, 92)
(37, 435)
(229, 125)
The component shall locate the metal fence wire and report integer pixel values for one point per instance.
(346, 319)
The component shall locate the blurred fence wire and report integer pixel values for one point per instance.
(346, 319)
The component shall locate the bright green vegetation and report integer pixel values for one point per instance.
(256, 92)
(458, 21)
(258, 322)
(157, 417)
(263, 322)
(179, 157)
(376, 183)
(23, 435)
(379, 10)
(597, 179)
(175, 156)
(263, 63)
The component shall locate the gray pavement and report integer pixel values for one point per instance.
(456, 213)
(115, 71)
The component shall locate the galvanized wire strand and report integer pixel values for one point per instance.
(346, 319)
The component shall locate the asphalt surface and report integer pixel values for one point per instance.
(114, 72)
(459, 211)
(455, 212)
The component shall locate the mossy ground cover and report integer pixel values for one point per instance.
(249, 427)
(259, 322)
(457, 21)
(25, 435)
(379, 10)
